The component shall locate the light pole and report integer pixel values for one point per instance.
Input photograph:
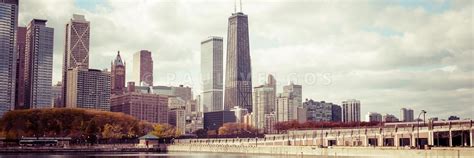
(418, 128)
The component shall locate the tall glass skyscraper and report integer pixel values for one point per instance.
(8, 57)
(238, 85)
(76, 47)
(38, 64)
(212, 72)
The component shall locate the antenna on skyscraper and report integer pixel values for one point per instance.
(240, 5)
(235, 6)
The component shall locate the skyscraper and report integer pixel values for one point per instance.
(38, 64)
(143, 68)
(286, 109)
(406, 115)
(212, 74)
(117, 75)
(88, 88)
(8, 26)
(238, 85)
(297, 92)
(351, 110)
(20, 68)
(264, 102)
(76, 48)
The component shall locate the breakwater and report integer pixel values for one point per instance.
(332, 151)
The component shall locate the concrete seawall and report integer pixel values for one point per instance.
(336, 151)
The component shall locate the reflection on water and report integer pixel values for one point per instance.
(146, 155)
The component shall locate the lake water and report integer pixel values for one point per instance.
(144, 155)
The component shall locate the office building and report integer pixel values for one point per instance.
(20, 68)
(212, 74)
(214, 120)
(351, 110)
(38, 67)
(9, 11)
(117, 75)
(373, 117)
(238, 85)
(177, 118)
(88, 88)
(147, 107)
(76, 54)
(406, 115)
(176, 103)
(296, 91)
(143, 68)
(389, 118)
(56, 94)
(336, 113)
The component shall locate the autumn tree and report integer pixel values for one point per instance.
(236, 129)
(165, 131)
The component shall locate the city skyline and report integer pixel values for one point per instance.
(447, 60)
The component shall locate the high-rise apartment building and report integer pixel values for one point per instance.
(38, 69)
(143, 68)
(8, 26)
(351, 110)
(264, 102)
(212, 74)
(117, 75)
(148, 107)
(406, 115)
(76, 48)
(238, 85)
(296, 91)
(318, 111)
(286, 109)
(20, 68)
(88, 88)
(177, 118)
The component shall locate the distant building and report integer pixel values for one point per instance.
(76, 53)
(249, 120)
(176, 103)
(373, 117)
(38, 67)
(318, 111)
(406, 115)
(56, 91)
(336, 113)
(117, 75)
(263, 102)
(296, 91)
(215, 120)
(270, 121)
(177, 118)
(185, 93)
(286, 109)
(143, 68)
(212, 74)
(148, 107)
(239, 113)
(301, 113)
(88, 88)
(351, 110)
(194, 122)
(8, 25)
(389, 118)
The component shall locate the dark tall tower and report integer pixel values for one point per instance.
(143, 68)
(20, 68)
(118, 75)
(76, 54)
(238, 85)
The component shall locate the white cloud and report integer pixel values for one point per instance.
(386, 54)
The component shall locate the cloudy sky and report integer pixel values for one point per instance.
(388, 54)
